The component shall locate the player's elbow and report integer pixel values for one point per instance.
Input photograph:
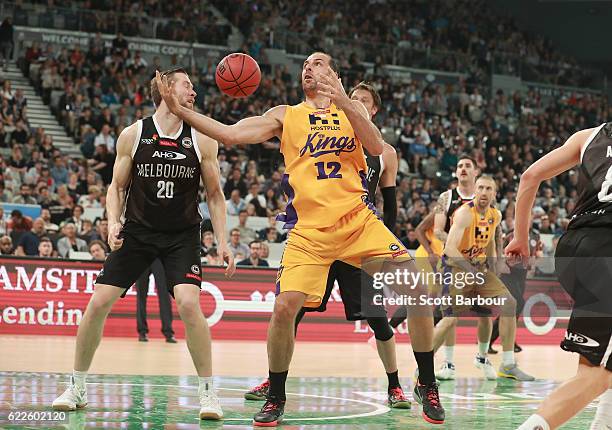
(530, 177)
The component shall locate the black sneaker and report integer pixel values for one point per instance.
(271, 414)
(427, 395)
(491, 350)
(258, 393)
(517, 348)
(397, 399)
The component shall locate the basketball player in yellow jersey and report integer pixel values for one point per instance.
(471, 250)
(324, 181)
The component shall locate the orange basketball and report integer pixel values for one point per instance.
(238, 75)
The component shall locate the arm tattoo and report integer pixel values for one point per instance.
(442, 203)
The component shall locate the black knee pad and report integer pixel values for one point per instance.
(381, 328)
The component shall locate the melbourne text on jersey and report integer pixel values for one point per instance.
(169, 171)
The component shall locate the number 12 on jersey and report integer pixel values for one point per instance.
(165, 189)
(333, 167)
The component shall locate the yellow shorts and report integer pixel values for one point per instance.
(309, 252)
(470, 286)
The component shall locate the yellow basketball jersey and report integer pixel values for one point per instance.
(436, 245)
(477, 236)
(325, 167)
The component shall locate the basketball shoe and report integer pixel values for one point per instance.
(513, 372)
(397, 399)
(259, 392)
(210, 408)
(484, 364)
(446, 372)
(428, 397)
(271, 414)
(72, 399)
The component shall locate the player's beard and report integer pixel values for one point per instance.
(309, 87)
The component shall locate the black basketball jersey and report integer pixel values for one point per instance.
(456, 201)
(594, 205)
(375, 168)
(163, 194)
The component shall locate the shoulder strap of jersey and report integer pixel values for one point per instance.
(139, 125)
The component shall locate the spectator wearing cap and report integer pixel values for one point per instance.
(70, 241)
(29, 241)
(254, 258)
(6, 245)
(25, 196)
(45, 247)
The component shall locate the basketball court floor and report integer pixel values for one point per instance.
(152, 385)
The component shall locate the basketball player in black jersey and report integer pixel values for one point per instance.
(152, 206)
(382, 171)
(584, 266)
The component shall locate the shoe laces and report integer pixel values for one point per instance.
(270, 406)
(262, 386)
(398, 393)
(208, 398)
(432, 395)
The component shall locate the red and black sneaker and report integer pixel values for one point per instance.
(271, 414)
(258, 393)
(427, 395)
(397, 399)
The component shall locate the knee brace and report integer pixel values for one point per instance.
(381, 328)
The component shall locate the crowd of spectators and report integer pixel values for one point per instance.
(436, 34)
(96, 92)
(178, 20)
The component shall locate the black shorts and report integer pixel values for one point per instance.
(356, 291)
(178, 251)
(583, 263)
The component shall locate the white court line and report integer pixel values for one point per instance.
(379, 409)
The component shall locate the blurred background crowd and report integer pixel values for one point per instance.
(97, 90)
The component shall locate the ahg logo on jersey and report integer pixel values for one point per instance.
(318, 144)
(169, 155)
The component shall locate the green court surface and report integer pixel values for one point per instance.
(168, 402)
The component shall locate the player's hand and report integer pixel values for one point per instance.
(330, 85)
(166, 93)
(114, 232)
(517, 252)
(228, 257)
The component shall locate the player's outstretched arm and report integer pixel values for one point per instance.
(115, 196)
(387, 186)
(461, 221)
(440, 215)
(552, 164)
(255, 129)
(215, 198)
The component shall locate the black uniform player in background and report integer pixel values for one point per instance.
(583, 262)
(382, 170)
(156, 178)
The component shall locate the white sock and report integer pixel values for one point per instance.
(78, 378)
(483, 348)
(604, 409)
(508, 358)
(534, 422)
(449, 353)
(206, 383)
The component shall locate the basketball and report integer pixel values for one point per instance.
(238, 75)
